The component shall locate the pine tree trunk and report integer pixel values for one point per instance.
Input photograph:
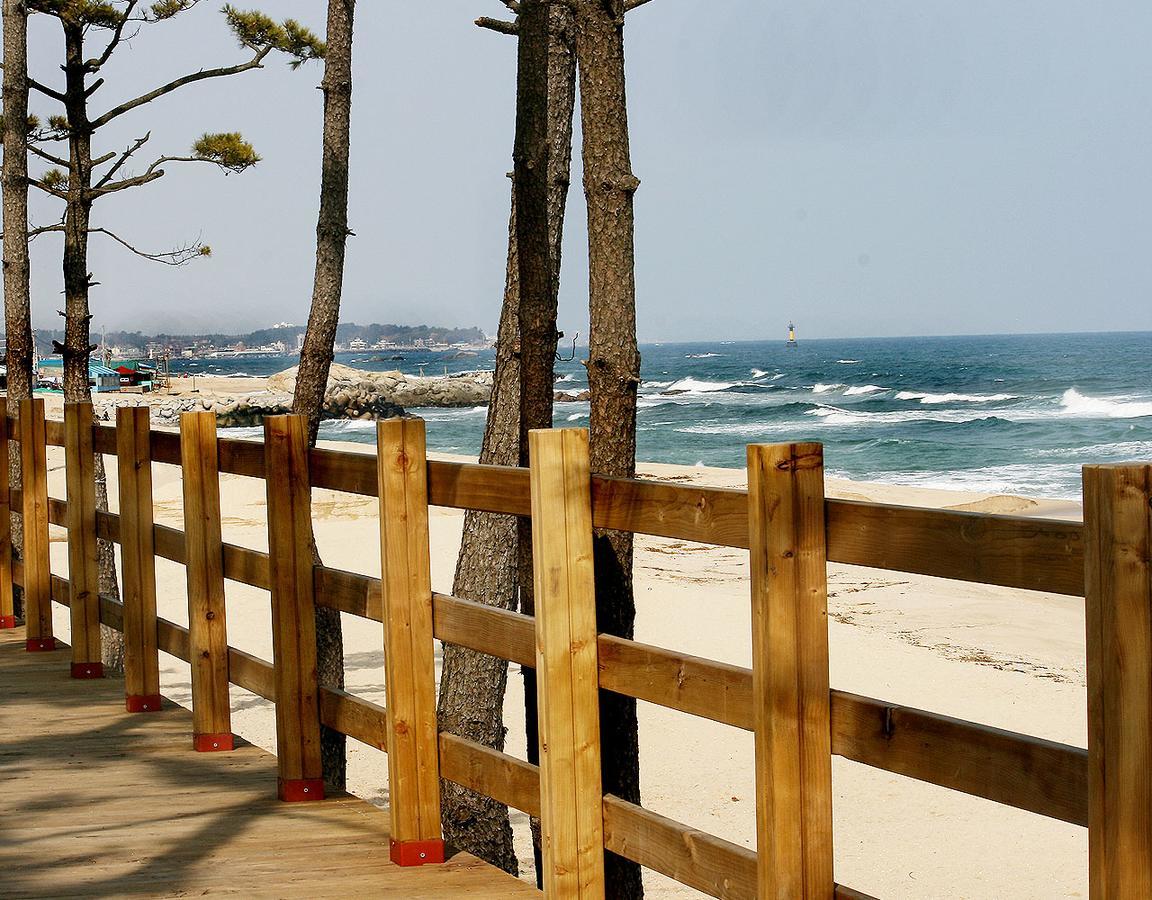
(613, 368)
(490, 568)
(77, 319)
(17, 305)
(537, 397)
(323, 317)
(472, 684)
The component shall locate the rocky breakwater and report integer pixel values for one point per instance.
(351, 394)
(356, 394)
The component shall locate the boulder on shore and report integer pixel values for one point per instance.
(346, 385)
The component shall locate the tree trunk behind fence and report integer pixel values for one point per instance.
(17, 315)
(77, 319)
(323, 317)
(491, 568)
(613, 365)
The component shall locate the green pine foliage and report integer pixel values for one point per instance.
(166, 9)
(94, 13)
(257, 31)
(228, 150)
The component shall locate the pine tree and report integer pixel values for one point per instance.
(323, 317)
(79, 180)
(613, 368)
(494, 565)
(17, 306)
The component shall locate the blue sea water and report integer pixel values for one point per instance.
(1014, 414)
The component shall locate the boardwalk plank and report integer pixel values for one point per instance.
(96, 802)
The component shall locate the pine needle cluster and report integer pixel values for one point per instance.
(228, 150)
(257, 31)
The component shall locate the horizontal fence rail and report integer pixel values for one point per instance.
(1009, 551)
(1023, 771)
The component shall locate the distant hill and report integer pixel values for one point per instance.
(345, 332)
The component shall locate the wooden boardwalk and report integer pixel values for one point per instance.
(96, 802)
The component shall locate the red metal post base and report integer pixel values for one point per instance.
(88, 670)
(416, 853)
(36, 645)
(142, 703)
(7, 622)
(295, 790)
(211, 743)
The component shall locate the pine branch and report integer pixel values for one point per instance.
(254, 63)
(95, 65)
(630, 5)
(46, 156)
(45, 90)
(513, 5)
(178, 257)
(498, 25)
(37, 183)
(150, 174)
(44, 229)
(124, 157)
(228, 151)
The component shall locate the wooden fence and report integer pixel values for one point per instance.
(785, 522)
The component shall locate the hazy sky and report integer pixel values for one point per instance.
(866, 168)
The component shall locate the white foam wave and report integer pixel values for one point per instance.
(930, 399)
(1076, 404)
(347, 426)
(578, 415)
(657, 384)
(1054, 480)
(567, 377)
(1094, 452)
(834, 415)
(847, 362)
(864, 389)
(701, 355)
(747, 429)
(692, 385)
(759, 373)
(439, 414)
(825, 388)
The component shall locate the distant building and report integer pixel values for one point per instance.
(135, 375)
(100, 378)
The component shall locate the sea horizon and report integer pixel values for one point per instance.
(1015, 413)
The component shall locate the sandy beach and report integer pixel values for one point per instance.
(1009, 658)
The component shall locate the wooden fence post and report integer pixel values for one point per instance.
(34, 507)
(791, 706)
(293, 608)
(83, 561)
(207, 631)
(409, 664)
(138, 559)
(567, 674)
(1118, 607)
(7, 610)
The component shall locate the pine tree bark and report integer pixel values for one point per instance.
(323, 317)
(77, 319)
(537, 394)
(490, 568)
(472, 684)
(17, 295)
(613, 368)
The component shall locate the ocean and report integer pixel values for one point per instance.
(1003, 413)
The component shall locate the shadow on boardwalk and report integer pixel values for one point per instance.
(97, 803)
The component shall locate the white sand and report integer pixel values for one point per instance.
(1009, 658)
